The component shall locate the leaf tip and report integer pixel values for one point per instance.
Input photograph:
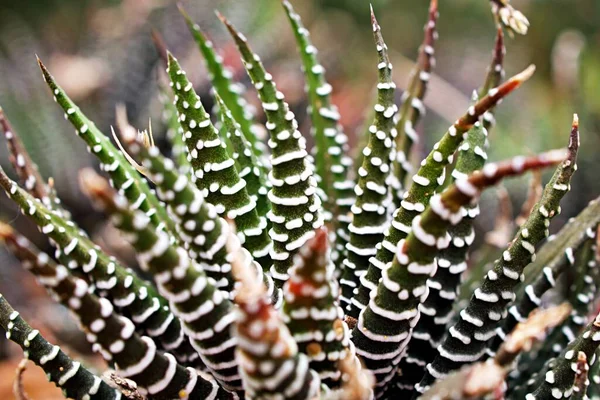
(182, 10)
(373, 18)
(171, 57)
(172, 64)
(159, 44)
(220, 101)
(526, 74)
(229, 27)
(222, 18)
(574, 138)
(433, 6)
(45, 72)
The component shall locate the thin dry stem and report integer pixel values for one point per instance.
(18, 388)
(130, 135)
(534, 328)
(127, 387)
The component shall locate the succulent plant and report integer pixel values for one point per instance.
(275, 273)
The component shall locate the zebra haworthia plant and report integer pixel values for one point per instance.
(277, 274)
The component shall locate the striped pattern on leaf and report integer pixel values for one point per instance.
(295, 207)
(428, 178)
(489, 302)
(124, 289)
(437, 310)
(581, 294)
(205, 312)
(75, 380)
(250, 168)
(27, 170)
(123, 176)
(558, 380)
(331, 162)
(230, 92)
(385, 326)
(312, 313)
(412, 108)
(215, 171)
(373, 197)
(270, 363)
(112, 335)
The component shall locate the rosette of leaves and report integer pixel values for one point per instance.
(268, 273)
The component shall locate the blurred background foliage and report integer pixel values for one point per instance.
(102, 54)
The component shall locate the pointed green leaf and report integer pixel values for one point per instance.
(125, 290)
(528, 296)
(321, 334)
(194, 299)
(384, 327)
(331, 161)
(369, 212)
(230, 92)
(214, 169)
(249, 167)
(295, 207)
(412, 108)
(452, 262)
(489, 303)
(123, 176)
(75, 380)
(429, 177)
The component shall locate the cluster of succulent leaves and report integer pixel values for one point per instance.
(282, 274)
